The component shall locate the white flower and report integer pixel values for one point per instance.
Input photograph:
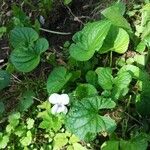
(59, 102)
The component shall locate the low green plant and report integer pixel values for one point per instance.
(27, 48)
(94, 97)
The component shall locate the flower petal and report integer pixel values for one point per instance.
(54, 98)
(65, 110)
(64, 99)
(56, 109)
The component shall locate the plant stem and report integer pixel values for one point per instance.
(55, 32)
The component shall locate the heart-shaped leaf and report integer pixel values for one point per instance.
(84, 120)
(105, 78)
(26, 55)
(57, 79)
(89, 40)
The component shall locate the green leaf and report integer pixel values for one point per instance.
(4, 79)
(140, 59)
(84, 116)
(13, 119)
(26, 101)
(41, 45)
(20, 18)
(114, 14)
(23, 36)
(89, 40)
(143, 102)
(25, 141)
(3, 141)
(73, 139)
(121, 83)
(137, 143)
(105, 78)
(141, 47)
(45, 105)
(26, 55)
(57, 79)
(49, 121)
(66, 2)
(60, 140)
(110, 145)
(20, 130)
(77, 146)
(85, 90)
(30, 123)
(145, 22)
(135, 71)
(25, 60)
(117, 40)
(91, 77)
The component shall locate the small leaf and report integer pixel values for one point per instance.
(66, 2)
(25, 141)
(26, 101)
(121, 83)
(89, 40)
(84, 116)
(114, 14)
(105, 78)
(141, 47)
(4, 141)
(30, 123)
(41, 45)
(60, 140)
(13, 119)
(57, 79)
(49, 121)
(4, 79)
(135, 71)
(85, 90)
(91, 77)
(20, 130)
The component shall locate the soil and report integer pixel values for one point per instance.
(61, 18)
